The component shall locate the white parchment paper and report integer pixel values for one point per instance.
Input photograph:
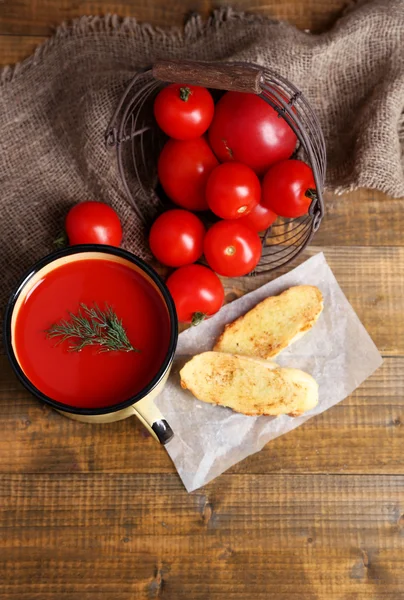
(338, 352)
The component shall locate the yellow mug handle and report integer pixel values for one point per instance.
(148, 413)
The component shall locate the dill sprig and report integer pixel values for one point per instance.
(92, 327)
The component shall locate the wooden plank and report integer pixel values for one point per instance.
(361, 218)
(14, 48)
(314, 15)
(38, 18)
(365, 433)
(255, 532)
(242, 537)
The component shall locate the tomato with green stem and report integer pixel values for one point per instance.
(197, 293)
(288, 188)
(93, 223)
(184, 111)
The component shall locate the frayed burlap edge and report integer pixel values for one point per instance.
(194, 28)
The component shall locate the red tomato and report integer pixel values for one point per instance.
(285, 186)
(93, 223)
(176, 238)
(232, 249)
(232, 190)
(197, 293)
(184, 111)
(183, 170)
(247, 129)
(259, 219)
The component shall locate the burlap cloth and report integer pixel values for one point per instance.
(55, 107)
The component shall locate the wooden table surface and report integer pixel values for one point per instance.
(90, 512)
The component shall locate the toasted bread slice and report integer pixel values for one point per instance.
(251, 386)
(273, 324)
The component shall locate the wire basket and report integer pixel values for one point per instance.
(138, 141)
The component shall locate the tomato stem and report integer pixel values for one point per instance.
(197, 318)
(227, 147)
(185, 93)
(311, 193)
(61, 241)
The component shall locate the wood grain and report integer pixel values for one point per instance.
(15, 48)
(361, 218)
(26, 24)
(98, 512)
(242, 537)
(314, 15)
(365, 432)
(238, 78)
(27, 17)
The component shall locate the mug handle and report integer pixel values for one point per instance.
(148, 413)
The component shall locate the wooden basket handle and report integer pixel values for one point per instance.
(219, 76)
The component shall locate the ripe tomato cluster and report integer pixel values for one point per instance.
(232, 158)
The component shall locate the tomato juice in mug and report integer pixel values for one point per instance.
(90, 381)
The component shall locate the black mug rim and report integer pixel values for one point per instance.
(102, 249)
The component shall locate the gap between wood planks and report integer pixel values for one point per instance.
(38, 17)
(365, 432)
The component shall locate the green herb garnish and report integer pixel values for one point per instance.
(92, 327)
